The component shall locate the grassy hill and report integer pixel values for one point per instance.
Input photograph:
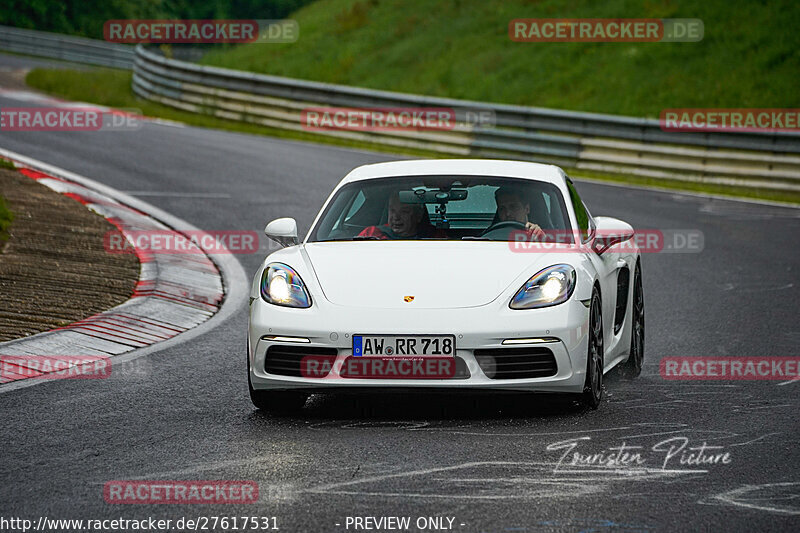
(749, 57)
(86, 17)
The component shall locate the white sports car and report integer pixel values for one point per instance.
(456, 274)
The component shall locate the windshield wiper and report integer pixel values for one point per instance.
(474, 238)
(356, 238)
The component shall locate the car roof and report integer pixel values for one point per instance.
(458, 167)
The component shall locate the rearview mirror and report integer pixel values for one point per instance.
(421, 196)
(283, 231)
(610, 231)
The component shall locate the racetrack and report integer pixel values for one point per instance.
(184, 413)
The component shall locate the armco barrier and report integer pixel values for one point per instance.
(65, 47)
(579, 140)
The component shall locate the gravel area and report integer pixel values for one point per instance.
(54, 269)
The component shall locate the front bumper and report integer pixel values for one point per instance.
(330, 326)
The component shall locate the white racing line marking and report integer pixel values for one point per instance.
(525, 480)
(668, 429)
(425, 426)
(218, 465)
(633, 427)
(755, 287)
(711, 435)
(738, 408)
(754, 440)
(496, 480)
(233, 275)
(748, 497)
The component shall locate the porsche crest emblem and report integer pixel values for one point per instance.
(408, 299)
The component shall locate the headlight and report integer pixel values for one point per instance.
(281, 285)
(551, 286)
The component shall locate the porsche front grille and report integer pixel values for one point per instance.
(517, 363)
(286, 360)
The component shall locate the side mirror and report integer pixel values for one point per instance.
(283, 231)
(610, 231)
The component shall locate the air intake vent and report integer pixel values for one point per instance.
(623, 278)
(285, 360)
(517, 363)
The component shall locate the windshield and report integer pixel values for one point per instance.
(441, 208)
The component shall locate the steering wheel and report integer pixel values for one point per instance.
(502, 229)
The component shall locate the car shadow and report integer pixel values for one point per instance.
(396, 407)
(391, 408)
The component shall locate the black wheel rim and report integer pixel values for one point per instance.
(638, 320)
(596, 350)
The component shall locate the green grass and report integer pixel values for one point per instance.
(749, 57)
(113, 88)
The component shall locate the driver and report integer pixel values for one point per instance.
(406, 221)
(512, 208)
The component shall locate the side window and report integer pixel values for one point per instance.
(581, 214)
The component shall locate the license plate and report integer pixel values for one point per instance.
(399, 345)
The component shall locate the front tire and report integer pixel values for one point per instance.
(593, 386)
(633, 366)
(278, 401)
(275, 401)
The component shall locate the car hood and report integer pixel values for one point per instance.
(436, 274)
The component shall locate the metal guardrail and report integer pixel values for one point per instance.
(577, 140)
(67, 48)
